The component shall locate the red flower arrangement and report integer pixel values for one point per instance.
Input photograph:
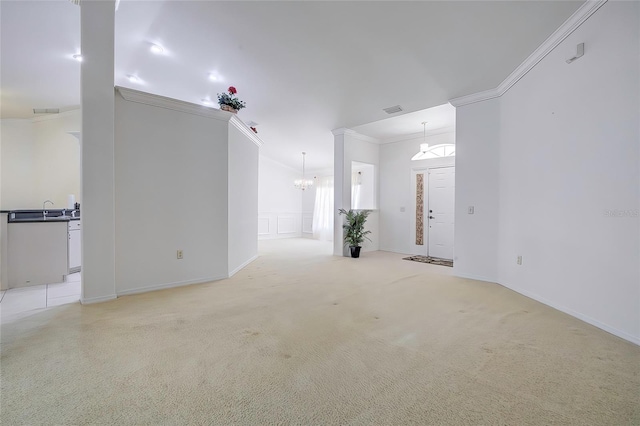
(230, 100)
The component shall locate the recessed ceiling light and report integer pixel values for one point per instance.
(132, 78)
(213, 77)
(77, 57)
(156, 48)
(206, 102)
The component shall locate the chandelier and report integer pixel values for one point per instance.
(303, 183)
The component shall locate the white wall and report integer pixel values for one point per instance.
(569, 153)
(40, 161)
(98, 145)
(243, 200)
(477, 185)
(279, 202)
(397, 191)
(171, 194)
(18, 165)
(57, 156)
(351, 146)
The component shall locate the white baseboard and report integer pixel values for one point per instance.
(279, 236)
(619, 333)
(90, 300)
(568, 311)
(472, 276)
(232, 273)
(169, 285)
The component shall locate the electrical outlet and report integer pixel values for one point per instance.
(179, 254)
(519, 260)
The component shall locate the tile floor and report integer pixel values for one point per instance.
(18, 303)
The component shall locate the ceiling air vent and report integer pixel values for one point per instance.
(46, 110)
(393, 109)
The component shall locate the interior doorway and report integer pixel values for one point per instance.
(434, 211)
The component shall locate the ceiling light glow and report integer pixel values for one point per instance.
(132, 78)
(213, 77)
(156, 48)
(77, 57)
(206, 102)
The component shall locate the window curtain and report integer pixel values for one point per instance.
(323, 210)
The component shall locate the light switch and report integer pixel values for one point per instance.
(471, 210)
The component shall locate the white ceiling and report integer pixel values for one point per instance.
(303, 67)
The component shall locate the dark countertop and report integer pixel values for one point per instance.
(43, 220)
(23, 216)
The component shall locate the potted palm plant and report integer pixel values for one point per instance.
(354, 233)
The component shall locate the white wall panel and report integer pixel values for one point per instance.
(264, 226)
(286, 225)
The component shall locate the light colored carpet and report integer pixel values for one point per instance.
(301, 337)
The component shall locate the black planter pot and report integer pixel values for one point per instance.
(355, 251)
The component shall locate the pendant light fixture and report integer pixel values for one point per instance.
(436, 151)
(303, 183)
(424, 146)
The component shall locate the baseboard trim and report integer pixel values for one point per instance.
(235, 271)
(582, 317)
(618, 333)
(169, 285)
(91, 300)
(472, 276)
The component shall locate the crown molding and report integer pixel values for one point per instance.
(188, 108)
(240, 125)
(570, 25)
(172, 104)
(475, 97)
(342, 131)
(354, 134)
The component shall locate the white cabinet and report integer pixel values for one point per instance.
(36, 253)
(74, 246)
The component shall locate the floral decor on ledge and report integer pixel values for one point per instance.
(229, 102)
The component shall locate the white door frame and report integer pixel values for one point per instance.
(424, 248)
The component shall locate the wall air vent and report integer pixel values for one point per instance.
(393, 109)
(46, 110)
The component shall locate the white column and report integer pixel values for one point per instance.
(97, 20)
(341, 190)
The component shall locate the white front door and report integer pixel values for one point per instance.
(440, 215)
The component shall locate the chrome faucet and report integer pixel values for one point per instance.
(45, 212)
